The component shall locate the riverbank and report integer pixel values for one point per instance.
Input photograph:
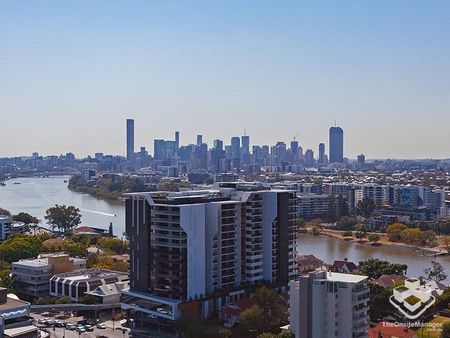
(105, 188)
(329, 249)
(383, 241)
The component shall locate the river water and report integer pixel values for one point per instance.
(329, 249)
(35, 195)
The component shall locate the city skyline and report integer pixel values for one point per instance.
(379, 69)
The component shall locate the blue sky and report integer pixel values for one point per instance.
(72, 71)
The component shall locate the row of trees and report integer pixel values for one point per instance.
(61, 218)
(399, 232)
(111, 187)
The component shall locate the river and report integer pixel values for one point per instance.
(329, 249)
(34, 195)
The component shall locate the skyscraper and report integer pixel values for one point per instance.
(336, 145)
(321, 153)
(130, 139)
(177, 140)
(235, 147)
(199, 140)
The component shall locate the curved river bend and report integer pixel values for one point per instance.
(35, 195)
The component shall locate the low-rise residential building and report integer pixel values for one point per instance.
(387, 281)
(76, 284)
(328, 304)
(308, 263)
(32, 275)
(344, 266)
(230, 313)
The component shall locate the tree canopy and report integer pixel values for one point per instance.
(267, 314)
(63, 219)
(20, 246)
(25, 218)
(375, 267)
(365, 207)
(435, 272)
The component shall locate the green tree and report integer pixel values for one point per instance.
(113, 245)
(346, 223)
(267, 315)
(74, 249)
(347, 233)
(435, 272)
(360, 235)
(250, 319)
(63, 218)
(20, 246)
(89, 299)
(25, 218)
(365, 207)
(374, 238)
(375, 267)
(6, 280)
(342, 206)
(394, 231)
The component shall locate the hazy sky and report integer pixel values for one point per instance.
(71, 72)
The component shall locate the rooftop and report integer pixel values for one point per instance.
(90, 274)
(345, 277)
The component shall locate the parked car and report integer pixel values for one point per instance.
(80, 329)
(89, 328)
(70, 326)
(101, 326)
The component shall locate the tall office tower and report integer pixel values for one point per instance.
(322, 153)
(246, 143)
(159, 149)
(235, 147)
(336, 145)
(329, 304)
(192, 252)
(130, 139)
(177, 140)
(294, 151)
(245, 150)
(361, 159)
(199, 139)
(309, 158)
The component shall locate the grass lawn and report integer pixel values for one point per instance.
(429, 332)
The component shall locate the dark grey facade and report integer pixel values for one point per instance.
(336, 145)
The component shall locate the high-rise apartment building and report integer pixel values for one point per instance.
(197, 250)
(336, 145)
(130, 139)
(328, 304)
